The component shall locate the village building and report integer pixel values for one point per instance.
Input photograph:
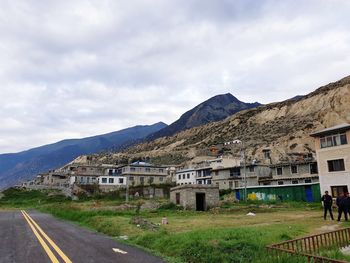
(333, 158)
(86, 174)
(141, 173)
(204, 169)
(195, 197)
(56, 179)
(238, 176)
(286, 173)
(186, 176)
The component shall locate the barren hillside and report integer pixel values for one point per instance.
(282, 127)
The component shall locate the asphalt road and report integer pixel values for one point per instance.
(69, 243)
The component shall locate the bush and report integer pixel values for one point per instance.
(170, 206)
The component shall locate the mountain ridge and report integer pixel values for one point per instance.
(282, 127)
(23, 165)
(213, 109)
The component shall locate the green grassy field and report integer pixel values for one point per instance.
(225, 234)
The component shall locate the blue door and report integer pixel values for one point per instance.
(238, 195)
(308, 193)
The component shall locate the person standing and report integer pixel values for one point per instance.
(327, 205)
(341, 203)
(347, 203)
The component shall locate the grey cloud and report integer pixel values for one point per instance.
(77, 68)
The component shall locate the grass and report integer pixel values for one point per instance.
(225, 234)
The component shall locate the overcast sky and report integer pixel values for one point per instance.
(70, 69)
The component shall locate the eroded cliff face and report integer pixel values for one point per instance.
(283, 128)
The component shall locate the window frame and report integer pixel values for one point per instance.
(332, 168)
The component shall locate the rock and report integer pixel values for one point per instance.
(144, 224)
(251, 214)
(150, 205)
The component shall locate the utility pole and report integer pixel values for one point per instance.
(127, 189)
(245, 171)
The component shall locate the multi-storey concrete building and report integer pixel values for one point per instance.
(292, 173)
(141, 173)
(239, 176)
(186, 176)
(333, 158)
(86, 174)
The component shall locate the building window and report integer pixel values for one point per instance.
(179, 176)
(131, 178)
(104, 180)
(142, 179)
(111, 180)
(313, 168)
(267, 154)
(216, 172)
(121, 180)
(251, 169)
(183, 176)
(294, 169)
(336, 190)
(235, 171)
(132, 169)
(151, 180)
(280, 182)
(279, 170)
(160, 179)
(188, 176)
(295, 182)
(333, 140)
(161, 170)
(148, 170)
(336, 165)
(208, 181)
(230, 184)
(110, 172)
(308, 181)
(200, 182)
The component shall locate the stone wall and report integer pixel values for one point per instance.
(188, 195)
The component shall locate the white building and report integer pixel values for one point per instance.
(333, 158)
(112, 180)
(186, 176)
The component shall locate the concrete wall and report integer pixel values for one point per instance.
(328, 179)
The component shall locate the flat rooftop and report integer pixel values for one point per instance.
(338, 128)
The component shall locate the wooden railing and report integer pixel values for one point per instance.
(311, 246)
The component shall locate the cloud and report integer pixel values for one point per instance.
(80, 68)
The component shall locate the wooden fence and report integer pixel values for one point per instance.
(311, 246)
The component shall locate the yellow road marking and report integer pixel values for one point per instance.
(42, 242)
(55, 247)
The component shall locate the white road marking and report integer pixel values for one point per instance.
(117, 250)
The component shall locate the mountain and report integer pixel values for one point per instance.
(24, 165)
(214, 109)
(282, 127)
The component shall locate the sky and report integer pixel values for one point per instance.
(71, 69)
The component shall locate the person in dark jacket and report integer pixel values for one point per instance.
(341, 203)
(327, 205)
(347, 203)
